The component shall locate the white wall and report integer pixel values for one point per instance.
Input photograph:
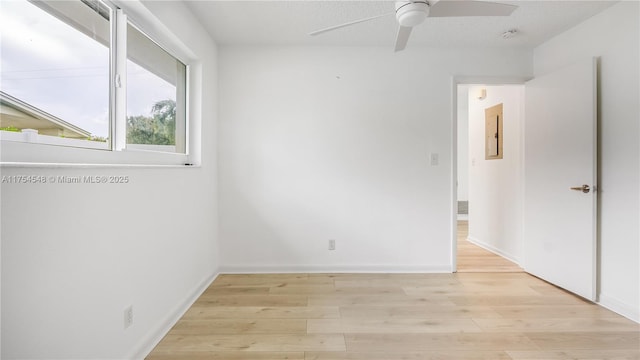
(495, 186)
(326, 143)
(463, 143)
(75, 255)
(614, 36)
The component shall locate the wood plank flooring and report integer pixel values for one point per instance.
(472, 258)
(460, 316)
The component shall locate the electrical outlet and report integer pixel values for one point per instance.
(128, 316)
(332, 244)
(435, 159)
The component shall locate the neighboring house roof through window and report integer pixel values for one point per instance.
(19, 114)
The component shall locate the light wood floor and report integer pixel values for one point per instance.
(458, 316)
(472, 258)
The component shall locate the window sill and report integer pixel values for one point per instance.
(16, 154)
(90, 166)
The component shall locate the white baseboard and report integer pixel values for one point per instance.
(273, 269)
(153, 339)
(494, 250)
(617, 306)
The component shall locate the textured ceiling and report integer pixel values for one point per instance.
(289, 22)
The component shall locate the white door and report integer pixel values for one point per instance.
(560, 154)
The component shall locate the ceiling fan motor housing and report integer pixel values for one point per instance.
(411, 13)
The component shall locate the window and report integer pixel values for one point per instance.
(155, 96)
(66, 79)
(55, 73)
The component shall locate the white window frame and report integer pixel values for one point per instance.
(43, 151)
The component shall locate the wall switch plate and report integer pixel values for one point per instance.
(332, 244)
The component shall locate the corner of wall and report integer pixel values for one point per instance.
(148, 343)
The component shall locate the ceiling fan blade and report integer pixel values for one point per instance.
(449, 8)
(348, 24)
(403, 37)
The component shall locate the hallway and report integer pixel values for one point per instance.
(472, 258)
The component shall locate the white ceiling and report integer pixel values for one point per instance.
(288, 23)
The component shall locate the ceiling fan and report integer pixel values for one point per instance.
(410, 13)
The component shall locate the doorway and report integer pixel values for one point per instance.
(489, 236)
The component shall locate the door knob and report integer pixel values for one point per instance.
(584, 188)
